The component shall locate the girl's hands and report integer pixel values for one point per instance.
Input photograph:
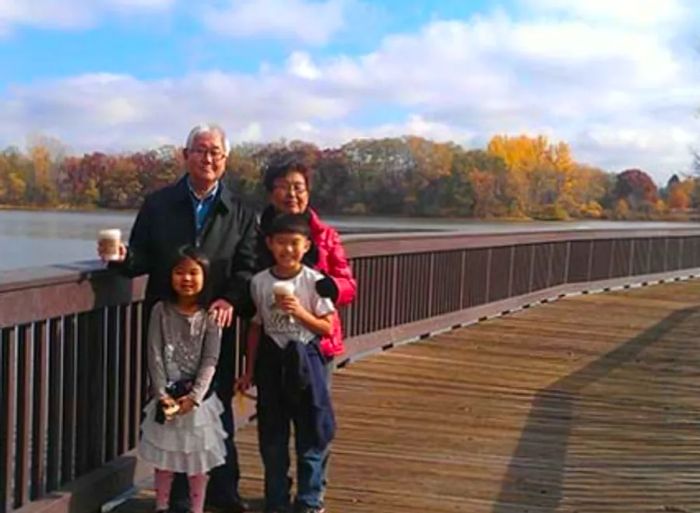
(186, 404)
(170, 406)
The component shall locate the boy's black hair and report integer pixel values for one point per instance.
(289, 223)
(197, 255)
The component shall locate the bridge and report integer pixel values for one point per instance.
(530, 372)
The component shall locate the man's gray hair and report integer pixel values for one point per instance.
(207, 128)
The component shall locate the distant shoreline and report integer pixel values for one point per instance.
(690, 216)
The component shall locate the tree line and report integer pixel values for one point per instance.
(513, 177)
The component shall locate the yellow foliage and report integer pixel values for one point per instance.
(622, 209)
(539, 173)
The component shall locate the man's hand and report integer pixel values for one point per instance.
(186, 404)
(222, 313)
(105, 256)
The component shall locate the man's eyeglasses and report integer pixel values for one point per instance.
(214, 153)
(296, 188)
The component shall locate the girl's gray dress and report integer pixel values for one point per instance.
(183, 347)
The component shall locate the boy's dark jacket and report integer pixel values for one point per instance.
(304, 386)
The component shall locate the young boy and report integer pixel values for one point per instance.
(285, 360)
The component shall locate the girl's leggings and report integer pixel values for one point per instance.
(164, 481)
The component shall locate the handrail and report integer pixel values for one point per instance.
(72, 373)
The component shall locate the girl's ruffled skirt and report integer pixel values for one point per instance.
(191, 444)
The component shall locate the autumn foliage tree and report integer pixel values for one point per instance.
(514, 176)
(638, 190)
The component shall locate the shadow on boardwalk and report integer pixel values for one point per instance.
(593, 432)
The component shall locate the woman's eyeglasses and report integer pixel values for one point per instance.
(296, 188)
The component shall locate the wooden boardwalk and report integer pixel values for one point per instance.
(587, 404)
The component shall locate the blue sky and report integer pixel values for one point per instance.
(616, 79)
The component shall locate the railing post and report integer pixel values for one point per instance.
(394, 288)
(633, 245)
(591, 248)
(567, 261)
(24, 415)
(8, 402)
(40, 414)
(462, 277)
(487, 294)
(431, 284)
(511, 262)
(56, 384)
(611, 262)
(70, 399)
(531, 278)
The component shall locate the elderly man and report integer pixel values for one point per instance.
(199, 210)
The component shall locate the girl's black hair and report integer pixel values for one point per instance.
(201, 259)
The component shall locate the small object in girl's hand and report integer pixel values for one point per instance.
(166, 411)
(171, 410)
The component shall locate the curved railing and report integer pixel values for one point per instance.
(72, 373)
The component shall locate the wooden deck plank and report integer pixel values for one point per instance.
(587, 404)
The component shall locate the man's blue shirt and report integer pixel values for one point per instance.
(202, 206)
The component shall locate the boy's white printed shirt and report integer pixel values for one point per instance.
(278, 325)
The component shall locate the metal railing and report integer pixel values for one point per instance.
(72, 363)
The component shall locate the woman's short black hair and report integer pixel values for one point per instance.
(200, 258)
(283, 163)
(289, 223)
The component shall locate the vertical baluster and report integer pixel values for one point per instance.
(40, 413)
(84, 394)
(136, 372)
(8, 415)
(112, 328)
(56, 380)
(70, 398)
(98, 391)
(125, 349)
(24, 415)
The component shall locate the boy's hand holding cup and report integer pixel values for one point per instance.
(110, 246)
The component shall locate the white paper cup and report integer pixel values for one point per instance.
(282, 289)
(110, 240)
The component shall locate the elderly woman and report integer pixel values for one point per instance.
(288, 182)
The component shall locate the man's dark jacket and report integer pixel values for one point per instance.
(166, 222)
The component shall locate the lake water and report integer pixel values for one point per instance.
(34, 238)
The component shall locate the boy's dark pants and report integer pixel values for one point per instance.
(274, 416)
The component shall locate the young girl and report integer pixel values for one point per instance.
(181, 431)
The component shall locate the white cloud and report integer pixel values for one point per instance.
(68, 14)
(307, 21)
(639, 13)
(622, 95)
(300, 64)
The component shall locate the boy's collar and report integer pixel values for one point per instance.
(280, 277)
